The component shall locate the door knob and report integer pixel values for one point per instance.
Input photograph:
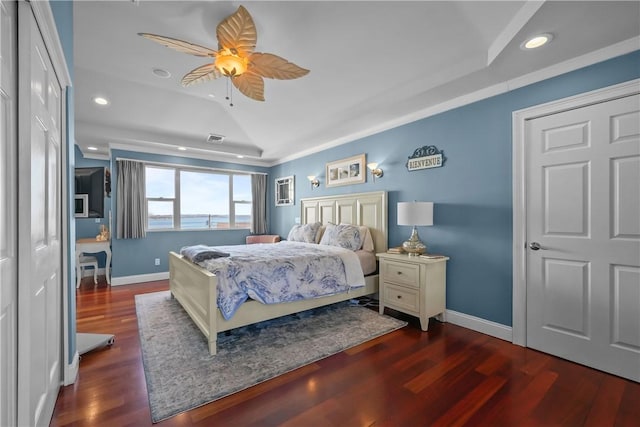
(534, 246)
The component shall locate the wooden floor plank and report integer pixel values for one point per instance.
(446, 376)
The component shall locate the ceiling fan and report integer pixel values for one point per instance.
(235, 57)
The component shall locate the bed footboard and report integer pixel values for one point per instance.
(195, 289)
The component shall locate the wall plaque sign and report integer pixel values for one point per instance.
(425, 158)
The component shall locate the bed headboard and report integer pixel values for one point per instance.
(368, 209)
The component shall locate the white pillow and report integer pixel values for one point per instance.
(304, 232)
(343, 235)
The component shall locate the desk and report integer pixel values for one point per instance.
(91, 245)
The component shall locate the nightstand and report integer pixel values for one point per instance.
(414, 285)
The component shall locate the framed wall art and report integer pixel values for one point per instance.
(285, 191)
(346, 171)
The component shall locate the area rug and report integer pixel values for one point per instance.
(181, 375)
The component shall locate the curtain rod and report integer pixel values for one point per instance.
(190, 166)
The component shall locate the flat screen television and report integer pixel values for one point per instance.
(90, 182)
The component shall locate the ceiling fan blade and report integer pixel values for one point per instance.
(201, 74)
(237, 32)
(180, 45)
(274, 67)
(251, 85)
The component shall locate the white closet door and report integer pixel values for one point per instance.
(8, 214)
(39, 226)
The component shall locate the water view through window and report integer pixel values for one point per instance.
(159, 222)
(201, 200)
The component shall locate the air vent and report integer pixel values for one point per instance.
(215, 138)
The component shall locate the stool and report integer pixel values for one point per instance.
(86, 261)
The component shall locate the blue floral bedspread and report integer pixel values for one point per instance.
(282, 272)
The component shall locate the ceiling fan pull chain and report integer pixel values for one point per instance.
(229, 96)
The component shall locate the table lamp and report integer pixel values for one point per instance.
(415, 214)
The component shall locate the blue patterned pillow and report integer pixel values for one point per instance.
(344, 235)
(304, 233)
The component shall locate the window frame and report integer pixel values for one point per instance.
(177, 219)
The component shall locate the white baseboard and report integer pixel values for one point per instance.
(139, 278)
(71, 370)
(480, 325)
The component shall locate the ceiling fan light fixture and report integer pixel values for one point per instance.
(231, 65)
(235, 57)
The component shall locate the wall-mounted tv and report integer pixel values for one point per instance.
(90, 181)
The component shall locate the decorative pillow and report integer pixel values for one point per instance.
(343, 235)
(304, 232)
(320, 233)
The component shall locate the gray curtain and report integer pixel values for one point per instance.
(259, 210)
(131, 206)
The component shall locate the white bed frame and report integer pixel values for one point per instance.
(195, 287)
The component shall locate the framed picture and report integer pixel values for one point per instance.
(346, 171)
(285, 191)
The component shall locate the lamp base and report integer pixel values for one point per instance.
(414, 246)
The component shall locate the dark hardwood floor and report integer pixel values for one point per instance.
(447, 376)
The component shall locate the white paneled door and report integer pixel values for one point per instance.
(8, 214)
(39, 226)
(583, 235)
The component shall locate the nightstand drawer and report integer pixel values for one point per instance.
(401, 273)
(401, 298)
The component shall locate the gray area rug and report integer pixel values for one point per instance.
(181, 375)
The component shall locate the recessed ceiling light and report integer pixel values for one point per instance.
(100, 100)
(240, 156)
(182, 149)
(163, 74)
(92, 148)
(536, 41)
(211, 95)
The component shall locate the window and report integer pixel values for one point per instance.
(195, 199)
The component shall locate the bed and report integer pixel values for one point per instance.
(195, 288)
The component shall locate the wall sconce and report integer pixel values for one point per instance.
(375, 170)
(314, 182)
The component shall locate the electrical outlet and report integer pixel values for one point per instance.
(157, 261)
(97, 220)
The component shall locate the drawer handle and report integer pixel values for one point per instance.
(399, 296)
(399, 272)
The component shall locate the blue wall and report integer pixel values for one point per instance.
(132, 257)
(472, 192)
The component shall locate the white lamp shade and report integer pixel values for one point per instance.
(415, 213)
